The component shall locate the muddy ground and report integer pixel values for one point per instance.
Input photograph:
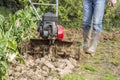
(40, 64)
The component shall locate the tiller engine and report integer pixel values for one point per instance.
(47, 26)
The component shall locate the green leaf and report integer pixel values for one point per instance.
(2, 44)
(12, 45)
(21, 59)
(1, 20)
(2, 54)
(4, 64)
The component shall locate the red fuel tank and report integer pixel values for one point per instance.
(60, 34)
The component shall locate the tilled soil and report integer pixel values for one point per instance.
(41, 68)
(41, 64)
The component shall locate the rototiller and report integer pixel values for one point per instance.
(47, 26)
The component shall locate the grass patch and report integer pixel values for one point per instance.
(73, 76)
(109, 76)
(97, 62)
(115, 62)
(100, 52)
(90, 68)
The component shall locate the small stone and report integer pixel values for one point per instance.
(37, 61)
(49, 65)
(64, 71)
(42, 60)
(45, 68)
(60, 65)
(18, 68)
(73, 61)
(23, 79)
(44, 73)
(69, 64)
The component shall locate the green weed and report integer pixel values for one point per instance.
(90, 68)
(97, 62)
(115, 61)
(109, 76)
(73, 76)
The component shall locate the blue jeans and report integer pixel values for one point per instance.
(93, 11)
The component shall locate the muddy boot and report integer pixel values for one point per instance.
(86, 42)
(87, 38)
(94, 42)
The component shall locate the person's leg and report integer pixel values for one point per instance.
(87, 18)
(98, 12)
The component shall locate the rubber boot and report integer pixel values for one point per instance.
(86, 42)
(94, 43)
(87, 39)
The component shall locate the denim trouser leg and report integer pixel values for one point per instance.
(99, 6)
(93, 9)
(87, 14)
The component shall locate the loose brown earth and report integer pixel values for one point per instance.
(40, 64)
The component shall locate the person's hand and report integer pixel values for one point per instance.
(113, 2)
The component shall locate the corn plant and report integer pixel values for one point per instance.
(13, 30)
(8, 49)
(4, 64)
